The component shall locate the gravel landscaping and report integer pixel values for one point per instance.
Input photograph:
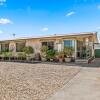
(21, 81)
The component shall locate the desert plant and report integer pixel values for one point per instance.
(28, 50)
(6, 55)
(51, 54)
(60, 56)
(44, 50)
(21, 56)
(68, 51)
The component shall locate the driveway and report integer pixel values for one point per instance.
(84, 86)
(23, 81)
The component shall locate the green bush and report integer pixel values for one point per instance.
(21, 54)
(51, 54)
(44, 50)
(68, 51)
(28, 50)
(60, 54)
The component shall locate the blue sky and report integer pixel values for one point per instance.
(28, 18)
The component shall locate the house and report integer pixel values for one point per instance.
(83, 43)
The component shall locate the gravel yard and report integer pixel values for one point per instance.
(19, 81)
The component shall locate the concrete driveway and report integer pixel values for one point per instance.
(84, 86)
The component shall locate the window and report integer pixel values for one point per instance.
(5, 47)
(69, 43)
(20, 46)
(49, 44)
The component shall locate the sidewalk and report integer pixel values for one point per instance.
(84, 86)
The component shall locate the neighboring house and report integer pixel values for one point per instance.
(83, 43)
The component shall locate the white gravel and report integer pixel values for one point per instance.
(20, 81)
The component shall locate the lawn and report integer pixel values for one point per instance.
(20, 81)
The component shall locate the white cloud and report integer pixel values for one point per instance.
(2, 2)
(44, 29)
(1, 32)
(70, 13)
(5, 21)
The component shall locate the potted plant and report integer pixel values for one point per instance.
(51, 54)
(68, 52)
(44, 50)
(61, 56)
(28, 50)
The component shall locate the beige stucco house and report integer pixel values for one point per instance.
(78, 41)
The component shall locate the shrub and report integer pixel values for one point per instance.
(51, 54)
(68, 51)
(60, 54)
(28, 50)
(21, 54)
(44, 50)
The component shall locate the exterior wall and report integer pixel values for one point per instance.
(58, 43)
(12, 46)
(36, 44)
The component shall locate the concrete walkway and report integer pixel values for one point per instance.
(84, 86)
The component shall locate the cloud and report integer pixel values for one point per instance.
(44, 29)
(2, 2)
(1, 32)
(70, 13)
(5, 21)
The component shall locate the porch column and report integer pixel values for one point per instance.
(0, 47)
(35, 44)
(93, 49)
(75, 46)
(59, 45)
(12, 46)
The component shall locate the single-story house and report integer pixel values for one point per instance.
(81, 42)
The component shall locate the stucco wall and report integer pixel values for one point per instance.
(36, 44)
(12, 46)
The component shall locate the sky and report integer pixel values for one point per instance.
(29, 18)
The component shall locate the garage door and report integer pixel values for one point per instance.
(97, 53)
